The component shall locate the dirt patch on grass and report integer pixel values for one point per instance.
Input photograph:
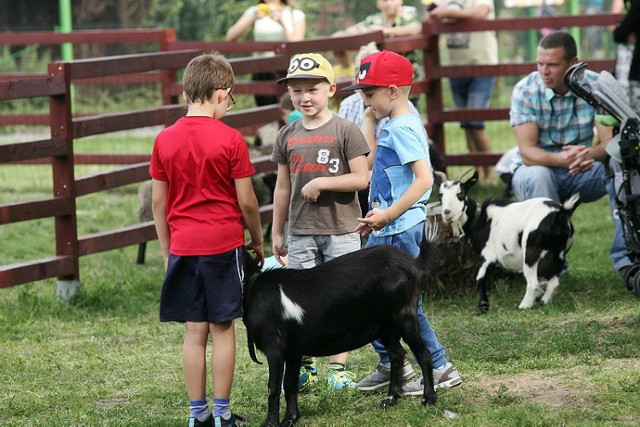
(570, 388)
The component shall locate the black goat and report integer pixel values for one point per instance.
(335, 307)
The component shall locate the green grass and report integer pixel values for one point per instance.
(104, 359)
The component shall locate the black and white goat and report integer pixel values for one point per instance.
(335, 307)
(532, 236)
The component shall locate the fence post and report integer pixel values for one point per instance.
(433, 86)
(64, 185)
(169, 77)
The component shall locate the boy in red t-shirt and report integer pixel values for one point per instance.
(202, 191)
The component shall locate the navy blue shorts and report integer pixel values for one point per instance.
(203, 288)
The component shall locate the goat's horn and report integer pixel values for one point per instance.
(462, 174)
(440, 175)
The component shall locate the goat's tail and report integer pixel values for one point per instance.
(431, 234)
(252, 348)
(571, 203)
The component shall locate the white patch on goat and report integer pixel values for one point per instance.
(290, 309)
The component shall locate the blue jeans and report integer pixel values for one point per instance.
(409, 241)
(472, 92)
(558, 184)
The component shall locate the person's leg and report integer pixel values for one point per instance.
(305, 252)
(223, 362)
(478, 97)
(409, 241)
(333, 247)
(593, 185)
(535, 181)
(618, 251)
(479, 140)
(460, 88)
(195, 368)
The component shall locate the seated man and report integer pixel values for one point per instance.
(554, 129)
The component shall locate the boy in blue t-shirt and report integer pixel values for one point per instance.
(401, 183)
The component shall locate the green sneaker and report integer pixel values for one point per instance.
(308, 373)
(339, 380)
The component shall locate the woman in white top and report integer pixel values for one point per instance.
(271, 20)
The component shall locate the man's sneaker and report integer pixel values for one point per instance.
(447, 376)
(381, 377)
(308, 373)
(339, 380)
(234, 421)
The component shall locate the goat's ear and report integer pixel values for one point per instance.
(470, 182)
(251, 265)
(439, 177)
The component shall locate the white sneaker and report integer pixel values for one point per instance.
(447, 376)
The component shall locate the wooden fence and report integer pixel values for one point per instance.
(65, 127)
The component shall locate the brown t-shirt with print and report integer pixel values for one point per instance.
(322, 152)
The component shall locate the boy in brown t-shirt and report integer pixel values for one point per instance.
(321, 165)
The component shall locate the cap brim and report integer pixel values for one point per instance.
(357, 86)
(284, 80)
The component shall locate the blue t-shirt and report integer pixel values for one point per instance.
(402, 141)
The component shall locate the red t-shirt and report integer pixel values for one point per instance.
(201, 157)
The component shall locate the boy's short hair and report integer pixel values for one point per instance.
(309, 66)
(286, 103)
(382, 69)
(205, 74)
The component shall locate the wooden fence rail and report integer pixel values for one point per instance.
(65, 127)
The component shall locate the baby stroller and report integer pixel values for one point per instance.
(624, 162)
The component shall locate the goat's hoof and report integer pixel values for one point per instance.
(388, 402)
(483, 308)
(287, 423)
(430, 399)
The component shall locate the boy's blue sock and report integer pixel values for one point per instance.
(200, 409)
(221, 408)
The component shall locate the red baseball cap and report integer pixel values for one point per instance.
(384, 68)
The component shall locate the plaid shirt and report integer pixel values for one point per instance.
(562, 120)
(352, 109)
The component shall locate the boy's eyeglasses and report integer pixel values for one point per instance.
(231, 102)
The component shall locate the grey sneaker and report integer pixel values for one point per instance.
(447, 376)
(381, 377)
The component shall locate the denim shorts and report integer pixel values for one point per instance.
(206, 288)
(309, 251)
(472, 92)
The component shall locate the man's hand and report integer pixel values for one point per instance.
(578, 158)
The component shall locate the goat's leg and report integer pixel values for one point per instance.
(552, 285)
(396, 355)
(291, 374)
(411, 335)
(481, 285)
(533, 286)
(276, 368)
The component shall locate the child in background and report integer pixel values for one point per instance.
(343, 73)
(401, 183)
(321, 165)
(201, 193)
